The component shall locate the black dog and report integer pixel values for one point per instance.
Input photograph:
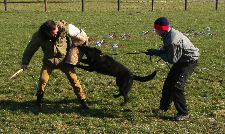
(105, 64)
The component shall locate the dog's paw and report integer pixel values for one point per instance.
(122, 104)
(116, 96)
(154, 73)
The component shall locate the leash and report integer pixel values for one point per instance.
(127, 53)
(141, 53)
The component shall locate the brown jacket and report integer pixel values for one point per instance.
(55, 51)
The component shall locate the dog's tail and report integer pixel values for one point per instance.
(144, 79)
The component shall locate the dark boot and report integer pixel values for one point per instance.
(39, 99)
(84, 104)
(158, 111)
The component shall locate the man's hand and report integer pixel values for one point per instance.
(150, 52)
(24, 67)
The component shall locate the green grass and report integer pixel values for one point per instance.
(61, 112)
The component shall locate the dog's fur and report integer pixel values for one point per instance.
(105, 64)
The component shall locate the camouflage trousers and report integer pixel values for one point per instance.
(69, 72)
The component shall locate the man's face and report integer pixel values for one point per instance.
(53, 33)
(159, 32)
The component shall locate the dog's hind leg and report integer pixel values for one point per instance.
(118, 95)
(126, 99)
(124, 88)
(119, 83)
(125, 92)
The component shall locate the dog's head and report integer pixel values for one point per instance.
(92, 53)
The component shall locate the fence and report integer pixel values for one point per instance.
(83, 3)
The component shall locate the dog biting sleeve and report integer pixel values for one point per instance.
(78, 37)
(73, 31)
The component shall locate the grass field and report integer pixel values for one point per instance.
(62, 113)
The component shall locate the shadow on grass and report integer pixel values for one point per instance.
(166, 118)
(163, 117)
(63, 106)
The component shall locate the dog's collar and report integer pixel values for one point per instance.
(100, 56)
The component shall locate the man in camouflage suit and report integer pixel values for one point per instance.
(54, 39)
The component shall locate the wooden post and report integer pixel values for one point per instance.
(5, 1)
(185, 4)
(82, 5)
(217, 4)
(46, 5)
(152, 5)
(118, 5)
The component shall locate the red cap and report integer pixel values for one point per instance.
(161, 27)
(161, 23)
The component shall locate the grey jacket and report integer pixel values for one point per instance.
(177, 48)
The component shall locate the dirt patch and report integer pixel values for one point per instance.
(101, 42)
(118, 45)
(90, 39)
(146, 33)
(127, 36)
(112, 36)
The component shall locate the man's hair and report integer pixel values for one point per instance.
(48, 26)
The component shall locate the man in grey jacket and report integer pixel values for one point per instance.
(179, 51)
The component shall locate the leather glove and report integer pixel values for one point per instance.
(150, 52)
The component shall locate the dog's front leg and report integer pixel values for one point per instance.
(87, 68)
(85, 61)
